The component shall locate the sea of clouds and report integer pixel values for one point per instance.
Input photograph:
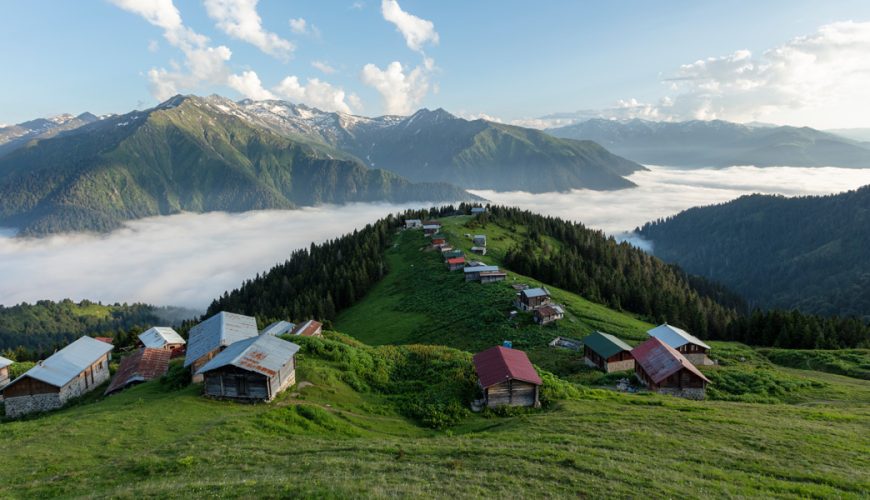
(189, 259)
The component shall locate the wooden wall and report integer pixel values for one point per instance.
(513, 393)
(29, 386)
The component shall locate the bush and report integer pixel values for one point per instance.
(177, 377)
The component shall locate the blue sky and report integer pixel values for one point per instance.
(798, 62)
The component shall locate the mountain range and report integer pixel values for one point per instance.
(719, 143)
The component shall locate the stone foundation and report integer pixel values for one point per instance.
(699, 359)
(22, 405)
(688, 393)
(619, 366)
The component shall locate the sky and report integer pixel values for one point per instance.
(797, 62)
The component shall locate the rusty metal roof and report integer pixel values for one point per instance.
(498, 364)
(660, 360)
(264, 354)
(220, 330)
(143, 365)
(456, 260)
(307, 329)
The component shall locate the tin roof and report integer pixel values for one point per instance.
(159, 336)
(477, 210)
(5, 362)
(432, 226)
(535, 292)
(675, 337)
(548, 311)
(498, 364)
(604, 344)
(143, 365)
(660, 360)
(414, 221)
(220, 330)
(481, 269)
(66, 364)
(264, 354)
(278, 328)
(308, 328)
(456, 260)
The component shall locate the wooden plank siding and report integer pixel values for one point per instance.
(511, 393)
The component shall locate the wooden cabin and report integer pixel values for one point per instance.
(251, 370)
(163, 337)
(413, 223)
(548, 314)
(141, 366)
(452, 254)
(472, 273)
(663, 369)
(479, 240)
(478, 250)
(430, 229)
(4, 371)
(607, 353)
(693, 348)
(75, 370)
(492, 276)
(438, 242)
(507, 377)
(309, 328)
(456, 263)
(530, 299)
(213, 335)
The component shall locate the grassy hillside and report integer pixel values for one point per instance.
(349, 434)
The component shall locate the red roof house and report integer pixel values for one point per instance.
(310, 328)
(507, 377)
(456, 263)
(141, 366)
(663, 369)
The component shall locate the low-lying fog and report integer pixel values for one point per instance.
(187, 260)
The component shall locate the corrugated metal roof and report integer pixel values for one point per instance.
(660, 360)
(66, 364)
(5, 362)
(481, 269)
(308, 328)
(143, 365)
(160, 336)
(278, 328)
(535, 292)
(604, 344)
(675, 337)
(498, 364)
(545, 311)
(477, 210)
(432, 226)
(220, 330)
(264, 354)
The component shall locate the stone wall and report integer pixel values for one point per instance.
(22, 405)
(698, 359)
(620, 366)
(78, 386)
(688, 393)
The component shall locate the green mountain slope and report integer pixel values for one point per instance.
(184, 155)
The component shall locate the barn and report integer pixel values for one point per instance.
(689, 346)
(75, 370)
(547, 314)
(141, 366)
(663, 369)
(532, 298)
(607, 353)
(251, 370)
(4, 371)
(507, 377)
(213, 335)
(163, 337)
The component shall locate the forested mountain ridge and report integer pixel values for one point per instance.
(810, 253)
(184, 155)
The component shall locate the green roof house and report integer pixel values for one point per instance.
(607, 353)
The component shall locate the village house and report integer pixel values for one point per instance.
(507, 377)
(142, 365)
(162, 337)
(663, 369)
(446, 248)
(548, 314)
(4, 371)
(251, 370)
(413, 223)
(73, 371)
(492, 276)
(309, 328)
(472, 273)
(477, 210)
(478, 250)
(438, 242)
(430, 229)
(479, 240)
(213, 335)
(530, 299)
(456, 263)
(278, 328)
(689, 346)
(607, 353)
(452, 254)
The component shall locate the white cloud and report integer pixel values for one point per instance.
(248, 84)
(417, 32)
(316, 93)
(323, 66)
(299, 26)
(239, 19)
(401, 91)
(153, 46)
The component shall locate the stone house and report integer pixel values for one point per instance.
(693, 348)
(663, 369)
(213, 335)
(607, 353)
(507, 377)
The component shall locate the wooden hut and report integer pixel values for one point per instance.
(492, 276)
(456, 263)
(663, 369)
(251, 370)
(530, 299)
(472, 273)
(141, 366)
(606, 352)
(507, 377)
(4, 371)
(693, 348)
(213, 335)
(163, 337)
(548, 314)
(75, 370)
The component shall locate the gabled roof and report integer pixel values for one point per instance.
(432, 226)
(456, 260)
(604, 344)
(220, 330)
(66, 364)
(278, 328)
(548, 311)
(498, 364)
(159, 336)
(675, 337)
(264, 354)
(477, 210)
(144, 364)
(414, 221)
(5, 362)
(481, 269)
(308, 328)
(660, 360)
(535, 292)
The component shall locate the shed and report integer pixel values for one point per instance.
(163, 337)
(507, 377)
(472, 273)
(456, 263)
(210, 337)
(310, 328)
(141, 366)
(70, 372)
(548, 314)
(664, 369)
(530, 299)
(606, 352)
(693, 348)
(4, 371)
(479, 240)
(492, 276)
(278, 328)
(431, 228)
(253, 369)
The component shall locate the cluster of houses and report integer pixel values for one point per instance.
(227, 352)
(454, 259)
(539, 303)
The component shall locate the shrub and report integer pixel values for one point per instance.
(177, 377)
